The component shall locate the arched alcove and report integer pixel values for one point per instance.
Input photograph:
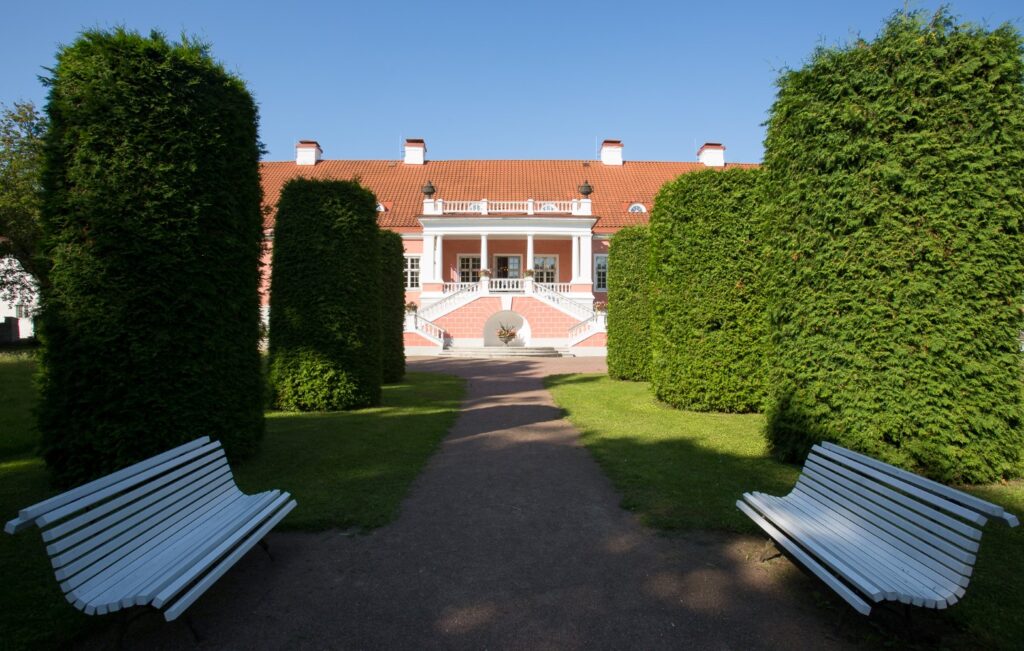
(510, 319)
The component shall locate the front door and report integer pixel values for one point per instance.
(508, 266)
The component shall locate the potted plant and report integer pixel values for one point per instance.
(411, 307)
(529, 273)
(506, 333)
(600, 306)
(485, 273)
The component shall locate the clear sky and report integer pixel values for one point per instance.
(485, 79)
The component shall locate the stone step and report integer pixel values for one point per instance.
(500, 351)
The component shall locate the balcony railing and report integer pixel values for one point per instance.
(488, 207)
(506, 284)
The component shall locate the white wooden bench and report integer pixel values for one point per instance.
(873, 532)
(157, 533)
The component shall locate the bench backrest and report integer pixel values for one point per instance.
(924, 517)
(93, 526)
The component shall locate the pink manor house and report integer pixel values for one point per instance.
(491, 243)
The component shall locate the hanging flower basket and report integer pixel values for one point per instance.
(506, 334)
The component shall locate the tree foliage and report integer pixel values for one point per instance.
(21, 154)
(708, 273)
(392, 306)
(629, 309)
(325, 293)
(896, 170)
(151, 216)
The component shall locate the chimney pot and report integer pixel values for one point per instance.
(611, 152)
(308, 152)
(415, 151)
(712, 154)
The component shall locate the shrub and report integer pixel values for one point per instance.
(896, 168)
(392, 296)
(629, 317)
(151, 216)
(325, 293)
(708, 325)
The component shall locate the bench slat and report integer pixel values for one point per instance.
(202, 586)
(809, 562)
(793, 528)
(133, 513)
(58, 514)
(163, 560)
(925, 542)
(970, 501)
(27, 515)
(955, 580)
(909, 579)
(906, 487)
(140, 562)
(171, 586)
(962, 534)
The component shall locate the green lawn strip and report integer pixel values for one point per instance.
(346, 469)
(681, 470)
(18, 395)
(352, 469)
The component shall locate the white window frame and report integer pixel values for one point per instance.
(406, 271)
(640, 208)
(558, 264)
(459, 270)
(597, 286)
(522, 267)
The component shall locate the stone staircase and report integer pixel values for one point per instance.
(502, 351)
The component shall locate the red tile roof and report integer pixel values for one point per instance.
(397, 185)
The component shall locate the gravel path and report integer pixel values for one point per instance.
(511, 538)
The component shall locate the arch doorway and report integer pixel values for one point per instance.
(510, 319)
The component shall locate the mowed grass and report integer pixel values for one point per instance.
(681, 470)
(346, 469)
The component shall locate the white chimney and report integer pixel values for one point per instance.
(415, 151)
(308, 152)
(712, 154)
(611, 152)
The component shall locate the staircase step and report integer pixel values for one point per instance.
(499, 351)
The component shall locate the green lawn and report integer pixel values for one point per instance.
(346, 469)
(682, 470)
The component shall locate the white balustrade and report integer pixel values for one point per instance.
(506, 284)
(586, 328)
(449, 288)
(431, 330)
(563, 288)
(563, 302)
(485, 206)
(448, 302)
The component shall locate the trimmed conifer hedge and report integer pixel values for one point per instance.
(325, 294)
(629, 310)
(897, 172)
(708, 324)
(392, 295)
(151, 217)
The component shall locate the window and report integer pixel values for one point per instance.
(601, 273)
(469, 268)
(508, 266)
(22, 311)
(381, 208)
(545, 268)
(637, 207)
(412, 272)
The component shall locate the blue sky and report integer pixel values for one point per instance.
(484, 79)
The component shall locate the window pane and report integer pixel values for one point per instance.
(412, 272)
(545, 268)
(469, 269)
(601, 272)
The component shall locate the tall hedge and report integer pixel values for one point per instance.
(708, 323)
(629, 311)
(897, 172)
(392, 306)
(325, 297)
(151, 216)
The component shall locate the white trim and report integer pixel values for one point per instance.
(475, 226)
(419, 271)
(458, 266)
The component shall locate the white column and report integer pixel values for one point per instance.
(483, 252)
(529, 251)
(427, 260)
(439, 260)
(575, 258)
(586, 258)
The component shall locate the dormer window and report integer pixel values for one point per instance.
(637, 207)
(380, 207)
(548, 207)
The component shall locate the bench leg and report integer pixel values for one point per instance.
(266, 548)
(770, 551)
